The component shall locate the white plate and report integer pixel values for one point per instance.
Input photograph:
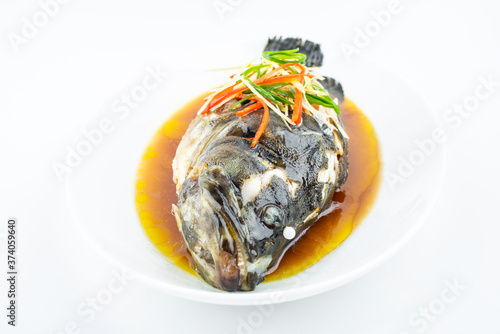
(101, 189)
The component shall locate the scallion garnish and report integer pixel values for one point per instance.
(278, 81)
(240, 102)
(286, 56)
(260, 90)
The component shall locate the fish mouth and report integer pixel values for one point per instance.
(223, 266)
(210, 224)
(231, 269)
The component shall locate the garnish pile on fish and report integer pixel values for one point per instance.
(266, 152)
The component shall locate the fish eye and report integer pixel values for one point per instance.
(271, 215)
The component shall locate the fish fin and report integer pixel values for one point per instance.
(334, 88)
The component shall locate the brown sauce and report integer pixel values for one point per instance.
(156, 192)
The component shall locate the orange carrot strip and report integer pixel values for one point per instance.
(221, 98)
(270, 74)
(282, 79)
(263, 124)
(249, 109)
(228, 89)
(297, 108)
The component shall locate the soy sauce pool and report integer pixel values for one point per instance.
(155, 193)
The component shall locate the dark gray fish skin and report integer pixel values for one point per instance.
(234, 230)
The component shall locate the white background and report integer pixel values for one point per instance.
(92, 51)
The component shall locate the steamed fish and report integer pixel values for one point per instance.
(264, 156)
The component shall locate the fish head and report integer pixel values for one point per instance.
(208, 217)
(215, 226)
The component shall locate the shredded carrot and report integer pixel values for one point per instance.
(263, 124)
(297, 108)
(249, 109)
(221, 98)
(224, 91)
(282, 79)
(273, 72)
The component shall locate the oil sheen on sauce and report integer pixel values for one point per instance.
(156, 193)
